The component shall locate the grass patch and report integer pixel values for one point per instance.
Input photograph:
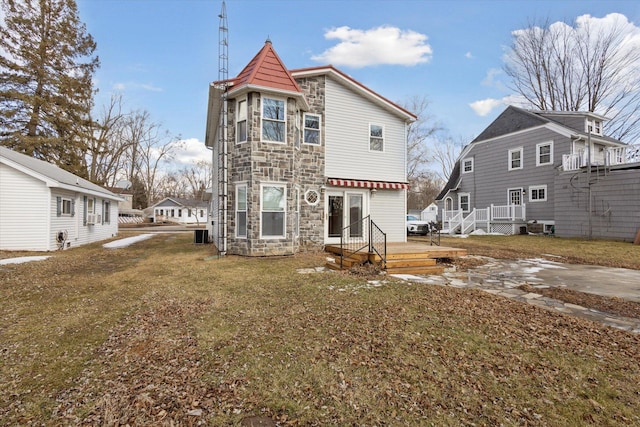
(161, 332)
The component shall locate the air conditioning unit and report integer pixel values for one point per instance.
(91, 219)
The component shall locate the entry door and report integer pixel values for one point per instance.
(343, 209)
(515, 197)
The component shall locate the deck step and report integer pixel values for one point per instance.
(411, 262)
(434, 269)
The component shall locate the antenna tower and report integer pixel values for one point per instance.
(223, 77)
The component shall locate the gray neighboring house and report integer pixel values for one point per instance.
(44, 208)
(544, 171)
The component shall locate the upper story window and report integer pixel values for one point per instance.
(273, 120)
(241, 121)
(594, 126)
(544, 153)
(312, 129)
(376, 138)
(515, 158)
(467, 165)
(297, 131)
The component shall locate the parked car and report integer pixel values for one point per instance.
(417, 226)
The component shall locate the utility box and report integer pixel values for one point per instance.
(200, 237)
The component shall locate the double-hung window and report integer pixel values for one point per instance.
(467, 165)
(312, 129)
(106, 212)
(273, 199)
(65, 206)
(376, 137)
(464, 202)
(544, 154)
(515, 159)
(241, 121)
(273, 120)
(241, 210)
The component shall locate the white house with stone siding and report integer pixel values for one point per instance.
(305, 153)
(44, 208)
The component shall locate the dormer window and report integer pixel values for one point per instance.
(594, 126)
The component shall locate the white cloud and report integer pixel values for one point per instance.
(121, 87)
(376, 46)
(485, 106)
(490, 79)
(468, 55)
(191, 151)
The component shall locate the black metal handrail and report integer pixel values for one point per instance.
(354, 240)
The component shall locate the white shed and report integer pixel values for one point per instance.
(44, 208)
(430, 213)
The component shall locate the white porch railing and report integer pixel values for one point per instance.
(613, 156)
(454, 220)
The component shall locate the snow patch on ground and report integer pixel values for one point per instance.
(122, 243)
(22, 260)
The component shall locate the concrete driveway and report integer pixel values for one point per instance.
(605, 281)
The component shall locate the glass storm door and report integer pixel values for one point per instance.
(344, 209)
(335, 214)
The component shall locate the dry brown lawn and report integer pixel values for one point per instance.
(164, 333)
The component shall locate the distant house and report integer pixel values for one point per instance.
(308, 157)
(126, 213)
(44, 208)
(545, 171)
(180, 210)
(430, 213)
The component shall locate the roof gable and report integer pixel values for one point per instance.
(511, 120)
(354, 85)
(266, 70)
(52, 174)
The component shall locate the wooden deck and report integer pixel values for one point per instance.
(402, 258)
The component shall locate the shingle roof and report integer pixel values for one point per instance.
(513, 119)
(54, 173)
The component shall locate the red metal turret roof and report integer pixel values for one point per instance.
(266, 70)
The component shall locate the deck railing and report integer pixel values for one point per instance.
(612, 156)
(453, 220)
(361, 235)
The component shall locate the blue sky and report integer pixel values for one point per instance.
(161, 55)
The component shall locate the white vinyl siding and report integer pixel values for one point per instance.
(347, 141)
(24, 221)
(385, 207)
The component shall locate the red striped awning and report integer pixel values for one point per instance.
(368, 184)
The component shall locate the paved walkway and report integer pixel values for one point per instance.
(502, 277)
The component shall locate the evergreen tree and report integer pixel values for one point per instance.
(46, 88)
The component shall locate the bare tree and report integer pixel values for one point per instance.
(108, 145)
(198, 177)
(592, 65)
(420, 133)
(444, 154)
